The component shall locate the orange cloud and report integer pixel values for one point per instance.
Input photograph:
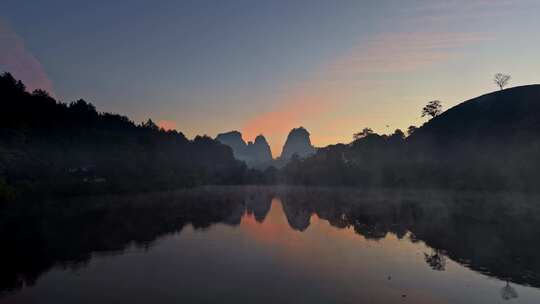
(292, 113)
(167, 124)
(16, 59)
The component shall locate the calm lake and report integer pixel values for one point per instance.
(273, 245)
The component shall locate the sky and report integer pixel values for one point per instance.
(265, 67)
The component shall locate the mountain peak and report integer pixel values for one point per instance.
(253, 153)
(298, 142)
(234, 140)
(260, 139)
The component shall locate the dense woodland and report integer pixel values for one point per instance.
(489, 143)
(54, 147)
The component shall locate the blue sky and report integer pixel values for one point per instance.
(335, 67)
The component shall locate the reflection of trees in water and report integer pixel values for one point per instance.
(492, 234)
(477, 232)
(39, 236)
(258, 203)
(436, 260)
(508, 292)
(297, 215)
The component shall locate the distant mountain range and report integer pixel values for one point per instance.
(257, 154)
(253, 153)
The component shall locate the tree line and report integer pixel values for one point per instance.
(47, 146)
(50, 146)
(490, 143)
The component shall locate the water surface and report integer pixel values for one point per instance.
(273, 245)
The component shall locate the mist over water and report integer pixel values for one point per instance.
(273, 245)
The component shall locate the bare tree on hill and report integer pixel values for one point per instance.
(501, 80)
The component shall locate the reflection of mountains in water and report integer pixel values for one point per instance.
(493, 234)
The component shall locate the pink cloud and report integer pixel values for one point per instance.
(16, 59)
(291, 113)
(452, 11)
(406, 52)
(387, 53)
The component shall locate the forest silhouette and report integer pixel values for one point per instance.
(48, 146)
(487, 143)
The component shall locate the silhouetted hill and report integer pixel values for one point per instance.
(234, 140)
(491, 142)
(260, 149)
(299, 143)
(255, 154)
(508, 117)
